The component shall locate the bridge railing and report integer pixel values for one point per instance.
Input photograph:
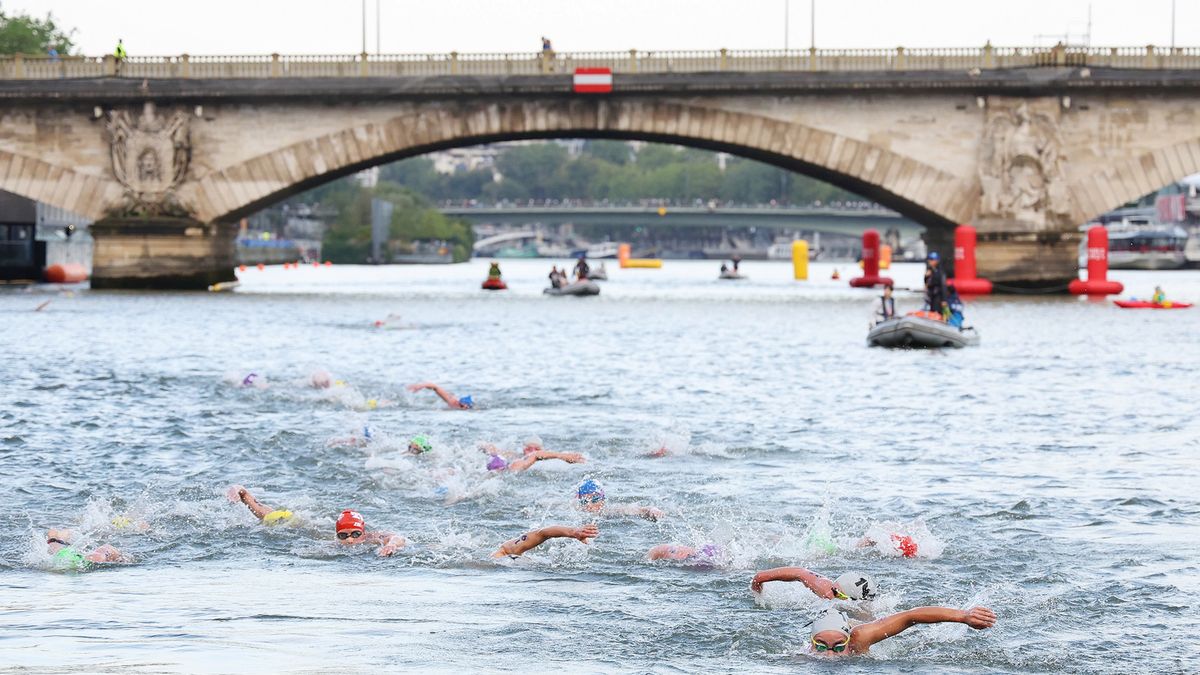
(631, 61)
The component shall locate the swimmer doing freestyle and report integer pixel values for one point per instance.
(832, 635)
(455, 403)
(68, 557)
(350, 528)
(515, 548)
(849, 586)
(531, 454)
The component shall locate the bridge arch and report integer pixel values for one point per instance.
(1124, 181)
(919, 191)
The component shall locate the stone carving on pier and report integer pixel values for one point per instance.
(150, 155)
(1020, 166)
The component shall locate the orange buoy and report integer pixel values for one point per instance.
(67, 273)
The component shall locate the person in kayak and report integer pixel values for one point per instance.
(494, 271)
(515, 548)
(591, 498)
(66, 556)
(455, 403)
(887, 304)
(935, 283)
(832, 635)
(1159, 297)
(582, 269)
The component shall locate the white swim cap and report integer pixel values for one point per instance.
(857, 586)
(831, 619)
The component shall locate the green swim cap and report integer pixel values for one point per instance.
(67, 558)
(422, 443)
(277, 516)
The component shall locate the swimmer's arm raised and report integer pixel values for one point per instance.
(534, 457)
(442, 393)
(388, 543)
(862, 637)
(237, 493)
(531, 540)
(816, 583)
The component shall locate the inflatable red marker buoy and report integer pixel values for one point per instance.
(965, 281)
(870, 261)
(1097, 282)
(905, 544)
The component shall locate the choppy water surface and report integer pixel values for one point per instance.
(1049, 473)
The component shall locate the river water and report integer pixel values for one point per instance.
(1049, 473)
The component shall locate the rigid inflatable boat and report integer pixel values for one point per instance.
(577, 288)
(919, 332)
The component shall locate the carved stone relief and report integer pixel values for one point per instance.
(1020, 165)
(150, 156)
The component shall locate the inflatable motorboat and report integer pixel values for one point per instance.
(598, 274)
(920, 332)
(494, 284)
(577, 288)
(730, 274)
(1146, 304)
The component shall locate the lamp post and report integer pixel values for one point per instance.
(364, 26)
(378, 30)
(812, 24)
(786, 24)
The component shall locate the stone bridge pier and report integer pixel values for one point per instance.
(1027, 155)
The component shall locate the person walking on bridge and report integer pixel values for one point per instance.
(119, 54)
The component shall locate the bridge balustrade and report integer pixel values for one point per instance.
(42, 67)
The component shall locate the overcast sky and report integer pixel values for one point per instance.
(163, 27)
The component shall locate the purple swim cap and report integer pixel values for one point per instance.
(249, 379)
(709, 551)
(497, 463)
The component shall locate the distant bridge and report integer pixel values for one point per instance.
(817, 219)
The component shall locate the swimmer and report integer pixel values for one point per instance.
(832, 635)
(903, 544)
(359, 440)
(531, 540)
(706, 554)
(591, 498)
(254, 381)
(464, 403)
(497, 461)
(419, 445)
(320, 379)
(266, 514)
(849, 586)
(351, 531)
(68, 557)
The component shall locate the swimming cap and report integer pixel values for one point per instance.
(710, 551)
(589, 488)
(422, 444)
(933, 255)
(67, 558)
(857, 586)
(350, 520)
(249, 380)
(277, 516)
(372, 403)
(831, 619)
(367, 433)
(121, 522)
(466, 402)
(905, 544)
(497, 463)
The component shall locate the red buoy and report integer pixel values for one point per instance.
(870, 261)
(964, 264)
(68, 273)
(1097, 282)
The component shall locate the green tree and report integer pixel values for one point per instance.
(613, 152)
(537, 167)
(24, 34)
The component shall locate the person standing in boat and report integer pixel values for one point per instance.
(887, 304)
(935, 282)
(582, 269)
(737, 260)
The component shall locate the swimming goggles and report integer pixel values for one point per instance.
(591, 498)
(836, 649)
(838, 594)
(352, 534)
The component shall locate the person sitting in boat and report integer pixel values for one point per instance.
(887, 304)
(582, 269)
(556, 277)
(1159, 297)
(935, 283)
(954, 307)
(494, 271)
(455, 403)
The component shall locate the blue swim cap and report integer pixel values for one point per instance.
(589, 488)
(466, 401)
(367, 433)
(933, 255)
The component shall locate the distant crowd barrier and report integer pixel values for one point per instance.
(622, 62)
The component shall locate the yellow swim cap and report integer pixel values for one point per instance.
(372, 403)
(277, 516)
(339, 383)
(121, 522)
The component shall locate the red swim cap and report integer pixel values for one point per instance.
(906, 545)
(350, 520)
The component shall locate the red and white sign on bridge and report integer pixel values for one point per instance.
(593, 80)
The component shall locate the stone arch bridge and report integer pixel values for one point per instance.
(166, 165)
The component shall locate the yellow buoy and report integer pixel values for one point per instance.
(800, 260)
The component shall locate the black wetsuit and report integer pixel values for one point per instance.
(582, 269)
(887, 307)
(935, 288)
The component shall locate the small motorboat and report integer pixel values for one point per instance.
(494, 284)
(578, 288)
(1146, 304)
(731, 274)
(598, 274)
(918, 331)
